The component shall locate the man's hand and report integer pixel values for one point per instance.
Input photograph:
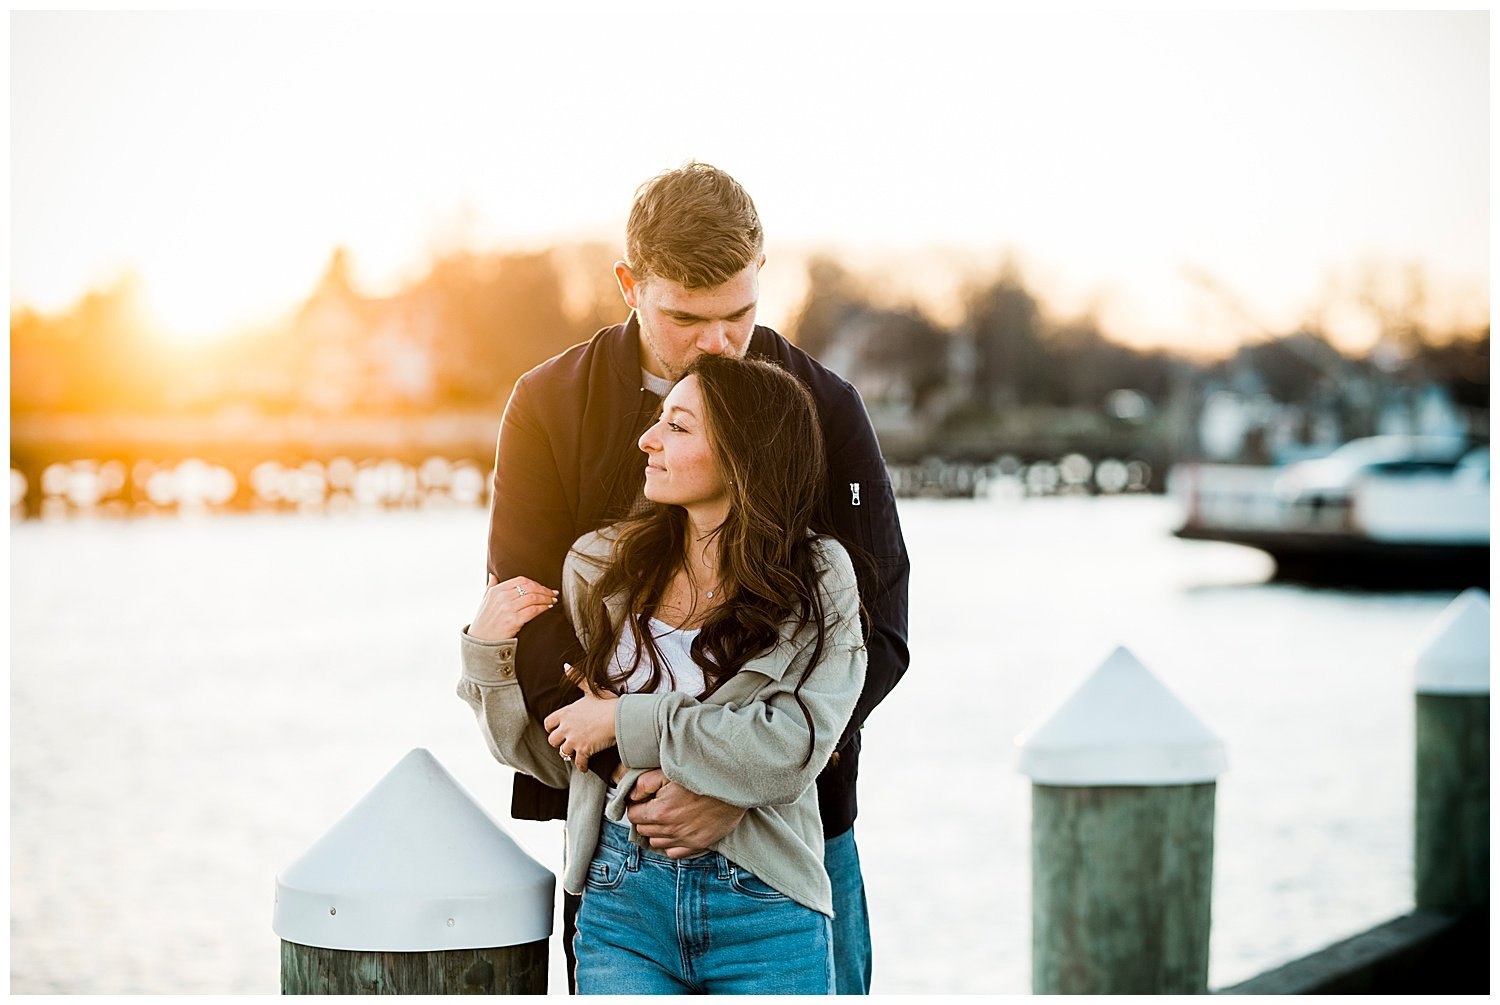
(678, 822)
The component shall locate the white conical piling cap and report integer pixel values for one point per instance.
(1453, 656)
(1121, 727)
(416, 866)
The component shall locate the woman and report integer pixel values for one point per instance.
(723, 646)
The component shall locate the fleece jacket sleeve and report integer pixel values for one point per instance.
(489, 685)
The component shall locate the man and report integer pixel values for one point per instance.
(567, 462)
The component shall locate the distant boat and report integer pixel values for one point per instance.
(1383, 510)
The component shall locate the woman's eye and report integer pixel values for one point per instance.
(674, 427)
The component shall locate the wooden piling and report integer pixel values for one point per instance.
(511, 970)
(1452, 846)
(1121, 883)
(1123, 790)
(417, 890)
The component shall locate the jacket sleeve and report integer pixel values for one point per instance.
(489, 684)
(766, 751)
(531, 528)
(862, 509)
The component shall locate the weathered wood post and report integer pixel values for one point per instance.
(1122, 836)
(1452, 674)
(417, 890)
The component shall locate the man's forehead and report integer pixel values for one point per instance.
(740, 290)
(708, 303)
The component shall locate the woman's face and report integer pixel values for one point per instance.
(680, 466)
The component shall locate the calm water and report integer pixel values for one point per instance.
(193, 703)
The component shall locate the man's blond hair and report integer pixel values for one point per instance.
(693, 225)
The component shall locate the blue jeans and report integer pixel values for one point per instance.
(851, 922)
(651, 925)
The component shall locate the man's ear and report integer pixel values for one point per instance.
(628, 286)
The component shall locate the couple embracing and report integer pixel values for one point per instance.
(697, 594)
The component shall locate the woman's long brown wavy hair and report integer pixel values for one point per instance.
(763, 429)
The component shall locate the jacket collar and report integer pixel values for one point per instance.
(621, 346)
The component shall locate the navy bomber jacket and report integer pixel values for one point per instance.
(567, 463)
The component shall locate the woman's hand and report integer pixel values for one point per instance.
(509, 605)
(584, 728)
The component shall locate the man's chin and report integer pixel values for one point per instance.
(674, 372)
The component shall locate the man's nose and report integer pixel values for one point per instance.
(714, 338)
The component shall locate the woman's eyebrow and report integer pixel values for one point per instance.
(684, 411)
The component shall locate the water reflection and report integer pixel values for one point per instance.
(1009, 477)
(194, 486)
(344, 484)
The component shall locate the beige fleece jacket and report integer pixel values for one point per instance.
(744, 744)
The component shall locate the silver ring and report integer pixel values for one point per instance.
(520, 590)
(565, 757)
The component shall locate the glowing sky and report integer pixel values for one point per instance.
(222, 156)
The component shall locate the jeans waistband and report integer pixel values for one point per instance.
(617, 837)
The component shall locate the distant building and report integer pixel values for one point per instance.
(358, 353)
